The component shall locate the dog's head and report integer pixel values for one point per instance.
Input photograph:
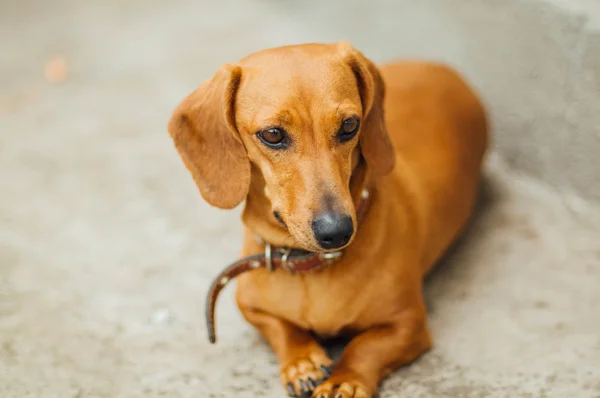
(302, 115)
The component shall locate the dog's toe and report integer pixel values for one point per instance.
(342, 385)
(300, 377)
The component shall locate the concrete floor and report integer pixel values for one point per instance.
(106, 249)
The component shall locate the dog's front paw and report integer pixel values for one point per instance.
(302, 375)
(343, 384)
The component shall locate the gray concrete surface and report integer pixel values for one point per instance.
(106, 249)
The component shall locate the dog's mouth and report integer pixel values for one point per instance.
(277, 216)
(293, 240)
(329, 233)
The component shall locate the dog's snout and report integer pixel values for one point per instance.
(332, 230)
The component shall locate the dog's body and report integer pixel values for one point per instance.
(420, 201)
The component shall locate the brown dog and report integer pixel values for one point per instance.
(290, 130)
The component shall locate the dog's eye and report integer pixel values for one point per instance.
(273, 137)
(349, 128)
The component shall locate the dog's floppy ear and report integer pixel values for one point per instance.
(375, 143)
(204, 131)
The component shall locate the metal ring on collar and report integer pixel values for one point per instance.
(268, 257)
(284, 259)
(331, 255)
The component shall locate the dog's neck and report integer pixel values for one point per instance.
(258, 212)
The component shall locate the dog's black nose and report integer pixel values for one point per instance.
(332, 230)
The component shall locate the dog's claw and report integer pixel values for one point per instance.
(326, 371)
(303, 387)
(311, 384)
(291, 391)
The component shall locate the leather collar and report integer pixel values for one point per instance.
(273, 258)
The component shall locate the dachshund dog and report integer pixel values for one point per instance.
(301, 133)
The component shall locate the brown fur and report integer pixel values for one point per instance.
(423, 157)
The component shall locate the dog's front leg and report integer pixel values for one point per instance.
(304, 363)
(375, 354)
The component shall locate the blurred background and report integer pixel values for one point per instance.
(107, 250)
